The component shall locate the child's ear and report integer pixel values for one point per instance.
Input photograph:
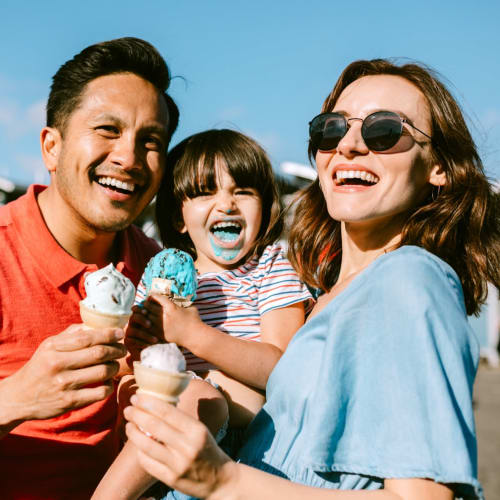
(180, 226)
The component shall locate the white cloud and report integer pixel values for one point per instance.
(231, 113)
(270, 141)
(34, 168)
(36, 114)
(491, 118)
(16, 121)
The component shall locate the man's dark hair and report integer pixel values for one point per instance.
(122, 55)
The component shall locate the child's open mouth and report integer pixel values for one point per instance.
(226, 232)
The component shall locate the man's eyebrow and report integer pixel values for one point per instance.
(155, 129)
(107, 117)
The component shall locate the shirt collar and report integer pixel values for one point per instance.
(57, 264)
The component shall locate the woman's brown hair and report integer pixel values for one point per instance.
(459, 223)
(191, 169)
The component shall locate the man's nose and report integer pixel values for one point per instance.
(125, 152)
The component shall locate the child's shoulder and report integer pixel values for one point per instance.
(272, 259)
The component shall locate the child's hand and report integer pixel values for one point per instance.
(140, 333)
(179, 324)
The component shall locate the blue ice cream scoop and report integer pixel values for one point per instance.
(172, 272)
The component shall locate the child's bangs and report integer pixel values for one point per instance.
(200, 176)
(201, 171)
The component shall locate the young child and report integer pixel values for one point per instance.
(219, 202)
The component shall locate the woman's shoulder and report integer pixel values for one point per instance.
(416, 265)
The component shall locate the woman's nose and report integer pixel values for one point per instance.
(352, 144)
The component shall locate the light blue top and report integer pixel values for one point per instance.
(377, 385)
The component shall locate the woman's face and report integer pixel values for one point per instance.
(363, 186)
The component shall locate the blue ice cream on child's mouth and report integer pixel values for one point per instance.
(226, 231)
(174, 265)
(225, 253)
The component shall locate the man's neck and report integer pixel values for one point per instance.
(82, 242)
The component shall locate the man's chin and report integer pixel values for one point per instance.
(112, 226)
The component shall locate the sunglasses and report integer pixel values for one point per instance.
(380, 130)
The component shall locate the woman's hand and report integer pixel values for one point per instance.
(177, 324)
(175, 448)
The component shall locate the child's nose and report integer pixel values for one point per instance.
(226, 203)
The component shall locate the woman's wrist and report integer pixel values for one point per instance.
(226, 486)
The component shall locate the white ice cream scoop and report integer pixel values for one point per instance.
(161, 372)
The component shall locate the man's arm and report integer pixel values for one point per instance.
(56, 378)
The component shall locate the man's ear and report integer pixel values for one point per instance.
(437, 176)
(51, 143)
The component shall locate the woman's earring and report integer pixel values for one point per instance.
(435, 192)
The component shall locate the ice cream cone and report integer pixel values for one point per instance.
(159, 383)
(95, 319)
(164, 287)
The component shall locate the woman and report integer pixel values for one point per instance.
(374, 392)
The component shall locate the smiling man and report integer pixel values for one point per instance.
(109, 122)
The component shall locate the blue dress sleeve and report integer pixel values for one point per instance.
(402, 359)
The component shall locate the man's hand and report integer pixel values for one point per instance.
(57, 377)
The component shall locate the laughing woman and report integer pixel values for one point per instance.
(374, 393)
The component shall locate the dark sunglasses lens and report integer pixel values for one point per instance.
(326, 131)
(381, 130)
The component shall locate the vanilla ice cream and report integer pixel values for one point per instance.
(110, 296)
(109, 291)
(166, 357)
(161, 372)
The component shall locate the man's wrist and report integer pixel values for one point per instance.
(11, 415)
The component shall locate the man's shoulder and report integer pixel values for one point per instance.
(141, 242)
(6, 214)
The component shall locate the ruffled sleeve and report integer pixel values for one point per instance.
(395, 395)
(278, 283)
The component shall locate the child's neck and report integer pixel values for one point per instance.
(207, 266)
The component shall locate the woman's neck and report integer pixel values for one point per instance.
(363, 243)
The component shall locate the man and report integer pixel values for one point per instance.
(109, 122)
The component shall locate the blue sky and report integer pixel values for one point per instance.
(261, 67)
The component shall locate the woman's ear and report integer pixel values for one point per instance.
(50, 142)
(437, 176)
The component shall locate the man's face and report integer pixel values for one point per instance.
(112, 152)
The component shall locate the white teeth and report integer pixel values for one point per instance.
(221, 225)
(357, 174)
(110, 181)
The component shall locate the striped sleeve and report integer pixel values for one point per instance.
(140, 294)
(279, 284)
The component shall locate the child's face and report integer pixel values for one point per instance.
(222, 224)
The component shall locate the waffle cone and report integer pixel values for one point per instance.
(161, 384)
(95, 319)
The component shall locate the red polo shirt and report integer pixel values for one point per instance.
(40, 287)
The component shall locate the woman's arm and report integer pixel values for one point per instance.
(181, 452)
(246, 361)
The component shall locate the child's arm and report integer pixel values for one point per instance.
(247, 361)
(125, 479)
